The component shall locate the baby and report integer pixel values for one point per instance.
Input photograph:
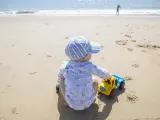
(75, 76)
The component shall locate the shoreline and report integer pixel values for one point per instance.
(93, 12)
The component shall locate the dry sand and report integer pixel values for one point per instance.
(32, 50)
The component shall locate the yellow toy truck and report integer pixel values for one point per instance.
(107, 87)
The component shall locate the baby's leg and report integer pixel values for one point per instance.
(63, 97)
(62, 94)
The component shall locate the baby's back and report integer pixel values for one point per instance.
(78, 84)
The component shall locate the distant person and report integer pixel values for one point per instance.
(118, 7)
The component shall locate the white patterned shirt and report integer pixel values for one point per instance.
(79, 91)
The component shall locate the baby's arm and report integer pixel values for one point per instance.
(100, 72)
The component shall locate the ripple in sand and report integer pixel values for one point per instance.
(121, 42)
(149, 46)
(151, 118)
(9, 85)
(97, 33)
(14, 110)
(48, 55)
(32, 73)
(102, 58)
(130, 49)
(66, 37)
(133, 40)
(126, 35)
(2, 118)
(132, 97)
(143, 50)
(135, 65)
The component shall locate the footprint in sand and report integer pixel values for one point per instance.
(46, 24)
(149, 46)
(14, 111)
(29, 54)
(135, 65)
(128, 78)
(121, 42)
(32, 73)
(13, 45)
(130, 49)
(97, 33)
(146, 118)
(102, 58)
(133, 40)
(0, 63)
(48, 55)
(9, 85)
(157, 118)
(132, 97)
(126, 35)
(66, 37)
(143, 50)
(2, 118)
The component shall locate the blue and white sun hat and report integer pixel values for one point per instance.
(78, 47)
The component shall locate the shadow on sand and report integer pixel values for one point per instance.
(92, 112)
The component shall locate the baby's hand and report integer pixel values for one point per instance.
(109, 79)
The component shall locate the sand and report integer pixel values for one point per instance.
(32, 50)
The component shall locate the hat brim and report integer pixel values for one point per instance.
(94, 47)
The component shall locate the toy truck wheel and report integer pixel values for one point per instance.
(122, 85)
(112, 93)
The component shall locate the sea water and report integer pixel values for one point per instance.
(81, 7)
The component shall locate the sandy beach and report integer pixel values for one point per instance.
(32, 50)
